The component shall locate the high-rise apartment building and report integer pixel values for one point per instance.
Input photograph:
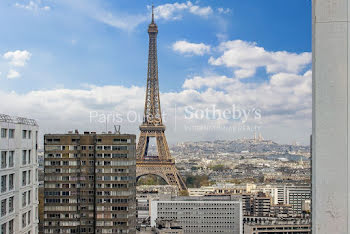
(90, 183)
(18, 175)
(204, 214)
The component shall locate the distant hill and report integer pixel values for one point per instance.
(238, 146)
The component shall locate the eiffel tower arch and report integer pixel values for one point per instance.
(161, 164)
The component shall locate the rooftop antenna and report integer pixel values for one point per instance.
(152, 13)
(106, 124)
(116, 129)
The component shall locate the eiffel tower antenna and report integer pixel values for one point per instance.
(162, 164)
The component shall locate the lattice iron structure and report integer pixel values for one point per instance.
(162, 165)
(17, 120)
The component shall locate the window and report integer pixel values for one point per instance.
(3, 133)
(11, 205)
(24, 220)
(29, 176)
(24, 134)
(29, 134)
(24, 157)
(11, 157)
(29, 197)
(3, 159)
(3, 183)
(11, 133)
(11, 229)
(24, 178)
(119, 147)
(24, 199)
(3, 228)
(29, 156)
(11, 180)
(3, 207)
(29, 217)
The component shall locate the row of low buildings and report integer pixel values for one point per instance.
(90, 187)
(213, 213)
(277, 196)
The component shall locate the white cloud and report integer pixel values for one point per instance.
(12, 74)
(128, 21)
(33, 6)
(124, 22)
(198, 82)
(285, 101)
(17, 58)
(185, 47)
(174, 11)
(117, 19)
(223, 10)
(245, 58)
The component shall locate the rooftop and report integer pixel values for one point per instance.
(17, 120)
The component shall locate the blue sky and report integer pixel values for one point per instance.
(74, 45)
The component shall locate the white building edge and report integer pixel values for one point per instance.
(18, 175)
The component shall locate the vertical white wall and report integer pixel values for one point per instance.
(330, 159)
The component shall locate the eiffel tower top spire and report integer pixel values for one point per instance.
(152, 26)
(152, 114)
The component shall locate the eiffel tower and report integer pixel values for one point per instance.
(162, 164)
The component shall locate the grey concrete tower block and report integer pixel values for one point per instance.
(331, 122)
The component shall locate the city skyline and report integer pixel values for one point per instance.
(210, 55)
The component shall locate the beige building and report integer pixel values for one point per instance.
(256, 204)
(281, 210)
(89, 183)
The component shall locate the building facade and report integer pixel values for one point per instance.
(19, 175)
(330, 122)
(212, 214)
(89, 183)
(256, 204)
(145, 194)
(296, 196)
(278, 227)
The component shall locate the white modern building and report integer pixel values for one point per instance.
(205, 214)
(19, 175)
